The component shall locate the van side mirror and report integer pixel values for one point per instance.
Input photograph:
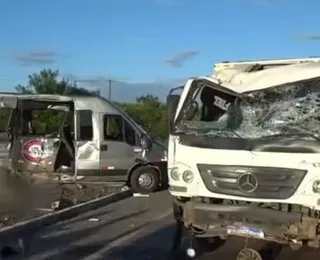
(145, 142)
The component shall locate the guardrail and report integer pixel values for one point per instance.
(25, 228)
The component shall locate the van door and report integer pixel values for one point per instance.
(119, 147)
(8, 129)
(6, 120)
(87, 144)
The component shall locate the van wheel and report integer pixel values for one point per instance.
(144, 180)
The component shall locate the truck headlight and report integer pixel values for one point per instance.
(316, 186)
(174, 174)
(188, 176)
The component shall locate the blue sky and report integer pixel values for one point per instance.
(155, 42)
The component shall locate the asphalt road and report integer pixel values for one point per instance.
(135, 228)
(20, 201)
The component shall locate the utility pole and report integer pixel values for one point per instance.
(110, 88)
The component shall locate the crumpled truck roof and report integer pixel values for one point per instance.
(242, 81)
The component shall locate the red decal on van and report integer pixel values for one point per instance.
(33, 152)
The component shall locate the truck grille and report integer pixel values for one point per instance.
(251, 182)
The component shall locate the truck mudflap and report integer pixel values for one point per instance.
(218, 220)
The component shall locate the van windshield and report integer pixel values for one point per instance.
(283, 110)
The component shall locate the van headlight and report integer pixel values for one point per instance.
(188, 176)
(174, 174)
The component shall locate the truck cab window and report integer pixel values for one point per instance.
(214, 104)
(118, 129)
(84, 125)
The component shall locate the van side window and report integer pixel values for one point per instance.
(118, 129)
(113, 128)
(130, 134)
(85, 127)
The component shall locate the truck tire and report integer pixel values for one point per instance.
(144, 180)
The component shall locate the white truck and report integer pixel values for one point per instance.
(244, 153)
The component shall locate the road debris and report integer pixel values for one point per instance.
(140, 195)
(93, 219)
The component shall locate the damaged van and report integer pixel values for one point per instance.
(63, 138)
(244, 154)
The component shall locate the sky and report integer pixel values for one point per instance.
(148, 46)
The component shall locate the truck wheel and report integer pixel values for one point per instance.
(144, 180)
(249, 254)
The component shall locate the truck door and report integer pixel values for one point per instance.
(119, 146)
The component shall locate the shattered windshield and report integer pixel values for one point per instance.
(284, 110)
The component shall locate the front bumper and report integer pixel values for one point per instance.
(209, 220)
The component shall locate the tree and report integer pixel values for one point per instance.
(48, 81)
(150, 113)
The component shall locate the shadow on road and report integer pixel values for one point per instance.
(82, 251)
(59, 242)
(154, 242)
(62, 226)
(156, 245)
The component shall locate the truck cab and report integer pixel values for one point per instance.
(84, 139)
(243, 153)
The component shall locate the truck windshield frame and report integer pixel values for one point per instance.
(261, 109)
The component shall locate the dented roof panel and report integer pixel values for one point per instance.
(242, 82)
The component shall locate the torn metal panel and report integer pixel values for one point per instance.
(88, 151)
(9, 102)
(37, 155)
(87, 156)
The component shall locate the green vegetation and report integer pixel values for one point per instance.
(148, 111)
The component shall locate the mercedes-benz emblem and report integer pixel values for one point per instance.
(248, 182)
